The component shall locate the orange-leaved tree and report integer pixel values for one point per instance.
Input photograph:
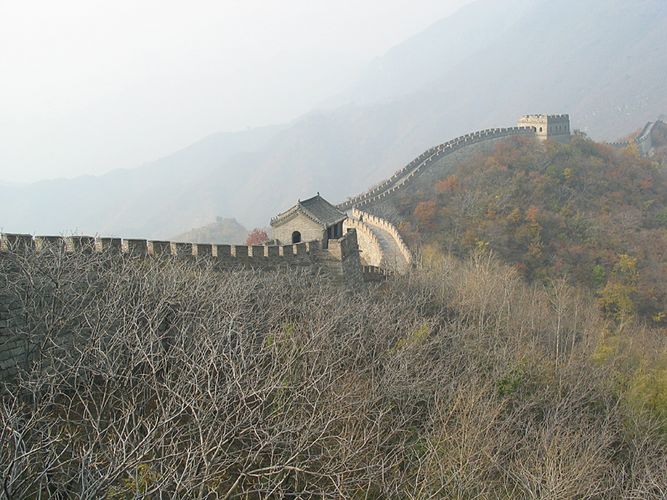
(256, 237)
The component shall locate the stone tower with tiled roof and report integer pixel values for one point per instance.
(314, 219)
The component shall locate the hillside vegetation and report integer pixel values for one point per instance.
(584, 211)
(459, 381)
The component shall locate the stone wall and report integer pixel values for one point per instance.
(369, 244)
(14, 346)
(344, 253)
(551, 127)
(385, 225)
(20, 346)
(309, 229)
(258, 256)
(388, 208)
(407, 174)
(644, 140)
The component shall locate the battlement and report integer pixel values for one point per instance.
(643, 141)
(340, 262)
(547, 118)
(402, 177)
(373, 220)
(253, 256)
(369, 244)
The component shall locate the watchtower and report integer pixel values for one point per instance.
(309, 220)
(548, 127)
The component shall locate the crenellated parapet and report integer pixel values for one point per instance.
(402, 177)
(643, 141)
(369, 244)
(256, 256)
(389, 228)
(19, 345)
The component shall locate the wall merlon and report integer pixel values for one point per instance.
(257, 251)
(300, 249)
(202, 250)
(109, 245)
(135, 247)
(182, 250)
(313, 247)
(45, 243)
(239, 251)
(158, 248)
(16, 243)
(80, 244)
(223, 251)
(286, 250)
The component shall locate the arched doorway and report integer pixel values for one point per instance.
(296, 237)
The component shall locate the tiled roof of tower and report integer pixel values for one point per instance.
(316, 208)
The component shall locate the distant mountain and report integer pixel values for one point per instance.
(155, 200)
(603, 61)
(221, 231)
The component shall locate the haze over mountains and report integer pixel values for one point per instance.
(602, 61)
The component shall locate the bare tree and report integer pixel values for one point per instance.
(167, 378)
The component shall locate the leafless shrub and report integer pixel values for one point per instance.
(168, 379)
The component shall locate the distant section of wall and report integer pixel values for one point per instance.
(404, 176)
(644, 141)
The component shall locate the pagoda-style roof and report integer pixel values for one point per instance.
(316, 208)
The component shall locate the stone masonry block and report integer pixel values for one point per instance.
(223, 251)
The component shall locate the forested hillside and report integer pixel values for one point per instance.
(586, 211)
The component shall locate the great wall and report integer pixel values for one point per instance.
(643, 141)
(370, 249)
(381, 235)
(403, 176)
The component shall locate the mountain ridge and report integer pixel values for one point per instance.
(544, 57)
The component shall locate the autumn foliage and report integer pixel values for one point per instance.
(257, 237)
(424, 213)
(576, 211)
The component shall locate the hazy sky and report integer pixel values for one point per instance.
(87, 85)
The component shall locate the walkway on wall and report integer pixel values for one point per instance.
(384, 246)
(392, 258)
(385, 240)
